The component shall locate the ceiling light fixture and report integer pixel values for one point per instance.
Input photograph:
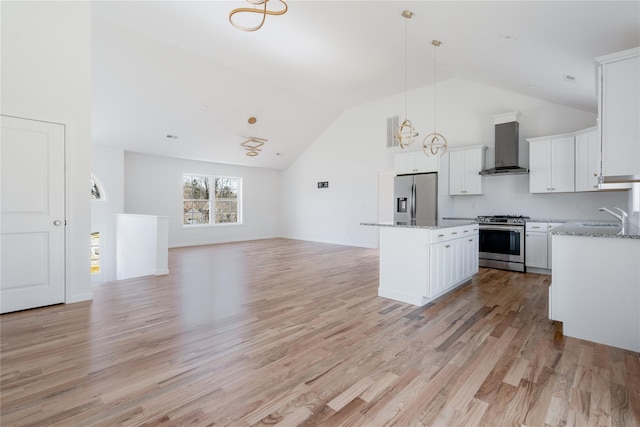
(252, 143)
(435, 143)
(259, 7)
(406, 133)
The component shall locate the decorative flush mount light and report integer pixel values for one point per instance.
(252, 143)
(435, 143)
(406, 133)
(259, 7)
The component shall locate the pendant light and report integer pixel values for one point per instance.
(435, 142)
(406, 134)
(253, 143)
(260, 7)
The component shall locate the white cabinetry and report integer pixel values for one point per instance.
(416, 162)
(454, 257)
(418, 265)
(465, 165)
(550, 226)
(618, 112)
(595, 291)
(551, 164)
(587, 159)
(538, 244)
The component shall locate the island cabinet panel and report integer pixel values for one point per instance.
(419, 264)
(595, 289)
(404, 261)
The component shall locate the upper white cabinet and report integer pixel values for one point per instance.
(465, 165)
(551, 164)
(416, 162)
(618, 113)
(587, 159)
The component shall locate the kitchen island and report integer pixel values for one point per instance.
(420, 262)
(595, 289)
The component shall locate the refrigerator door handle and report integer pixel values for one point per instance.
(413, 201)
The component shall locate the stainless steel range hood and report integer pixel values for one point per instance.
(507, 146)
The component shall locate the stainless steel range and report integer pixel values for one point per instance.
(502, 241)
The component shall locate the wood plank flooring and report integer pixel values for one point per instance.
(292, 333)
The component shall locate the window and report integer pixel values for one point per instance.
(97, 189)
(199, 201)
(95, 253)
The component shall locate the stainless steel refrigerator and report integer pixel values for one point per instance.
(416, 199)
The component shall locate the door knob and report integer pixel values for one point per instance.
(57, 222)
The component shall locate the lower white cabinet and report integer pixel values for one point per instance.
(535, 254)
(453, 260)
(538, 244)
(418, 265)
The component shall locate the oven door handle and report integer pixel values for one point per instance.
(517, 229)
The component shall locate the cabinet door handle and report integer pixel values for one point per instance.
(595, 186)
(553, 189)
(465, 231)
(440, 235)
(595, 174)
(454, 232)
(447, 246)
(471, 240)
(535, 226)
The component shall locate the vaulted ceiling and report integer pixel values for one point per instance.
(179, 68)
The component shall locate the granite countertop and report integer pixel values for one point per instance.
(550, 220)
(460, 219)
(595, 228)
(448, 223)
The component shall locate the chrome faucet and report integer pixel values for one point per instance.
(622, 216)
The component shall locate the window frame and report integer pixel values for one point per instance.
(212, 200)
(100, 187)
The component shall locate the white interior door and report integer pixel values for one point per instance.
(32, 246)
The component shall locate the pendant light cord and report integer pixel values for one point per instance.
(435, 84)
(406, 60)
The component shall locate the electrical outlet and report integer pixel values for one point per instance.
(323, 184)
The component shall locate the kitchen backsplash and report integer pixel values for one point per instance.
(510, 195)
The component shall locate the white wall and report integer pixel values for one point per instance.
(510, 195)
(352, 152)
(153, 186)
(108, 166)
(46, 75)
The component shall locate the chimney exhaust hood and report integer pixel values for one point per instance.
(507, 146)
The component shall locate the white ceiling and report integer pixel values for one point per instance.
(156, 64)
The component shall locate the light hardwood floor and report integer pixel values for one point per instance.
(291, 332)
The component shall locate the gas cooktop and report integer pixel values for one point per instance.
(502, 219)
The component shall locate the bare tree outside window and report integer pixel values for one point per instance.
(198, 200)
(226, 200)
